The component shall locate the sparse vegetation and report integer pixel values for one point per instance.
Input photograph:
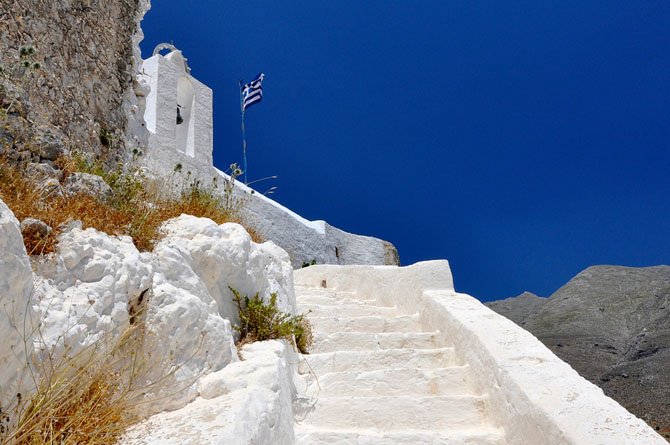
(19, 72)
(263, 321)
(105, 137)
(306, 264)
(137, 207)
(87, 398)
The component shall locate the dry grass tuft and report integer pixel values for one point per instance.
(94, 395)
(137, 208)
(304, 336)
(90, 397)
(255, 236)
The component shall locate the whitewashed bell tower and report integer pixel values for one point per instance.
(178, 114)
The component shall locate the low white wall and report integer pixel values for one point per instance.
(305, 240)
(534, 396)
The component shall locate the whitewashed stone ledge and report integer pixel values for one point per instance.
(248, 402)
(534, 396)
(305, 241)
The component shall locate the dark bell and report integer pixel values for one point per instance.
(180, 120)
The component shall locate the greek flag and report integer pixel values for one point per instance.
(252, 92)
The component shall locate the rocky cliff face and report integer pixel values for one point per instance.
(68, 68)
(612, 324)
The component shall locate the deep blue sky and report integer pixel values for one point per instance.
(523, 141)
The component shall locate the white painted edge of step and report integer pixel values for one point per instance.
(535, 397)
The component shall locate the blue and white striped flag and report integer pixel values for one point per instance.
(252, 92)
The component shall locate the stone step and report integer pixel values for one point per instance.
(368, 323)
(314, 436)
(340, 361)
(301, 292)
(332, 300)
(356, 341)
(466, 412)
(395, 382)
(346, 310)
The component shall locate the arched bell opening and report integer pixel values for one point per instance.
(184, 117)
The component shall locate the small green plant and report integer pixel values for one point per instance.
(263, 321)
(127, 184)
(19, 72)
(105, 137)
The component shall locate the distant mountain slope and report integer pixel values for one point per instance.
(518, 308)
(612, 324)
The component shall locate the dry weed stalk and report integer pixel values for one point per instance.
(87, 398)
(94, 395)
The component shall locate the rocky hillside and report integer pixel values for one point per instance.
(612, 324)
(518, 308)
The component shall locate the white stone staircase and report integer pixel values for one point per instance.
(382, 380)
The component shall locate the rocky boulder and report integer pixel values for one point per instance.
(31, 227)
(194, 265)
(43, 171)
(96, 283)
(48, 144)
(88, 184)
(16, 314)
(86, 288)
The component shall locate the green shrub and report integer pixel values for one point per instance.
(306, 264)
(263, 321)
(105, 137)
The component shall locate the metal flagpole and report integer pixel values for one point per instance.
(244, 138)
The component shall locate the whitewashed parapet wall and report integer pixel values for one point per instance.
(164, 83)
(534, 396)
(307, 241)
